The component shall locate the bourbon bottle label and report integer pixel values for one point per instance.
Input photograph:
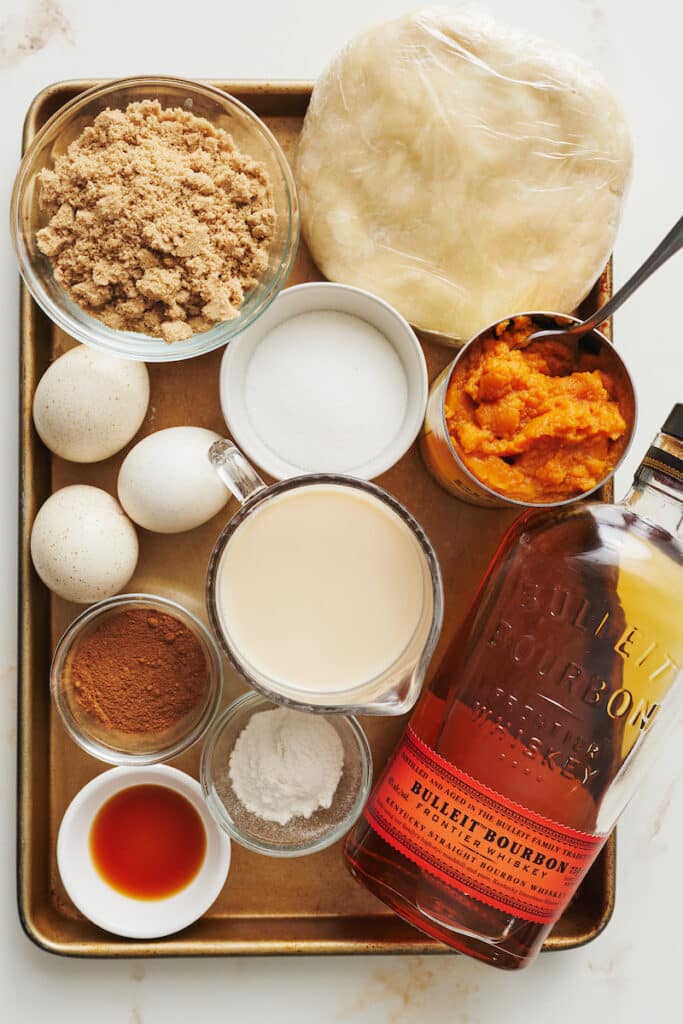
(474, 839)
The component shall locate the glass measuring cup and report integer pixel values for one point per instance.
(394, 686)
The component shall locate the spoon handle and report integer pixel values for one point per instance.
(666, 248)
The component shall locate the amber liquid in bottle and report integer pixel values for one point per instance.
(556, 685)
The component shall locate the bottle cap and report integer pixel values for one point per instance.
(673, 424)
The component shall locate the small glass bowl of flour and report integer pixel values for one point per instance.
(283, 782)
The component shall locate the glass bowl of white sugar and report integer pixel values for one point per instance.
(282, 782)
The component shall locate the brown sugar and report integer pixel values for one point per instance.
(158, 223)
(139, 671)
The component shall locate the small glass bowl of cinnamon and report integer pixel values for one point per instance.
(136, 679)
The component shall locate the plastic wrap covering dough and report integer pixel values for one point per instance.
(462, 171)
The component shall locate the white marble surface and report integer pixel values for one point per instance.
(631, 972)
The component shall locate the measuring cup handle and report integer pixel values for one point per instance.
(237, 474)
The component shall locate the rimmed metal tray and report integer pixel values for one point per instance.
(309, 905)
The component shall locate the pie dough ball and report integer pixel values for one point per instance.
(88, 404)
(83, 546)
(462, 171)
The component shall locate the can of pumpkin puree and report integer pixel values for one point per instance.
(441, 454)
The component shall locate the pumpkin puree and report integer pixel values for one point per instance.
(539, 424)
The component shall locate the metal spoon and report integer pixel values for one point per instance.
(666, 248)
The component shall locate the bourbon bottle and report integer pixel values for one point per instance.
(549, 704)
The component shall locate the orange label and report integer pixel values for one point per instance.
(474, 839)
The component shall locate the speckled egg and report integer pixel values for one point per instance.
(166, 482)
(83, 545)
(88, 404)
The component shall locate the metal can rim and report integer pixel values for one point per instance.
(503, 499)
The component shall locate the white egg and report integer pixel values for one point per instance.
(166, 482)
(83, 546)
(88, 404)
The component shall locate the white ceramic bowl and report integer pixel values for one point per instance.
(111, 910)
(315, 297)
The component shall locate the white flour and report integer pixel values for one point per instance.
(286, 763)
(326, 391)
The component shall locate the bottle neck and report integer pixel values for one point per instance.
(657, 491)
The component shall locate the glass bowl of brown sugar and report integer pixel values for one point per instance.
(154, 218)
(136, 679)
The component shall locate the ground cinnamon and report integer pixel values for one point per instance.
(139, 671)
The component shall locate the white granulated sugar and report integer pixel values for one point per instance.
(286, 763)
(326, 391)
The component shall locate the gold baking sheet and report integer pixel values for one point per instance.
(307, 905)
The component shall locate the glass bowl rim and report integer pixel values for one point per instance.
(252, 701)
(95, 747)
(128, 344)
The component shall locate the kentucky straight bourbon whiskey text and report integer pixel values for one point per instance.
(539, 723)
